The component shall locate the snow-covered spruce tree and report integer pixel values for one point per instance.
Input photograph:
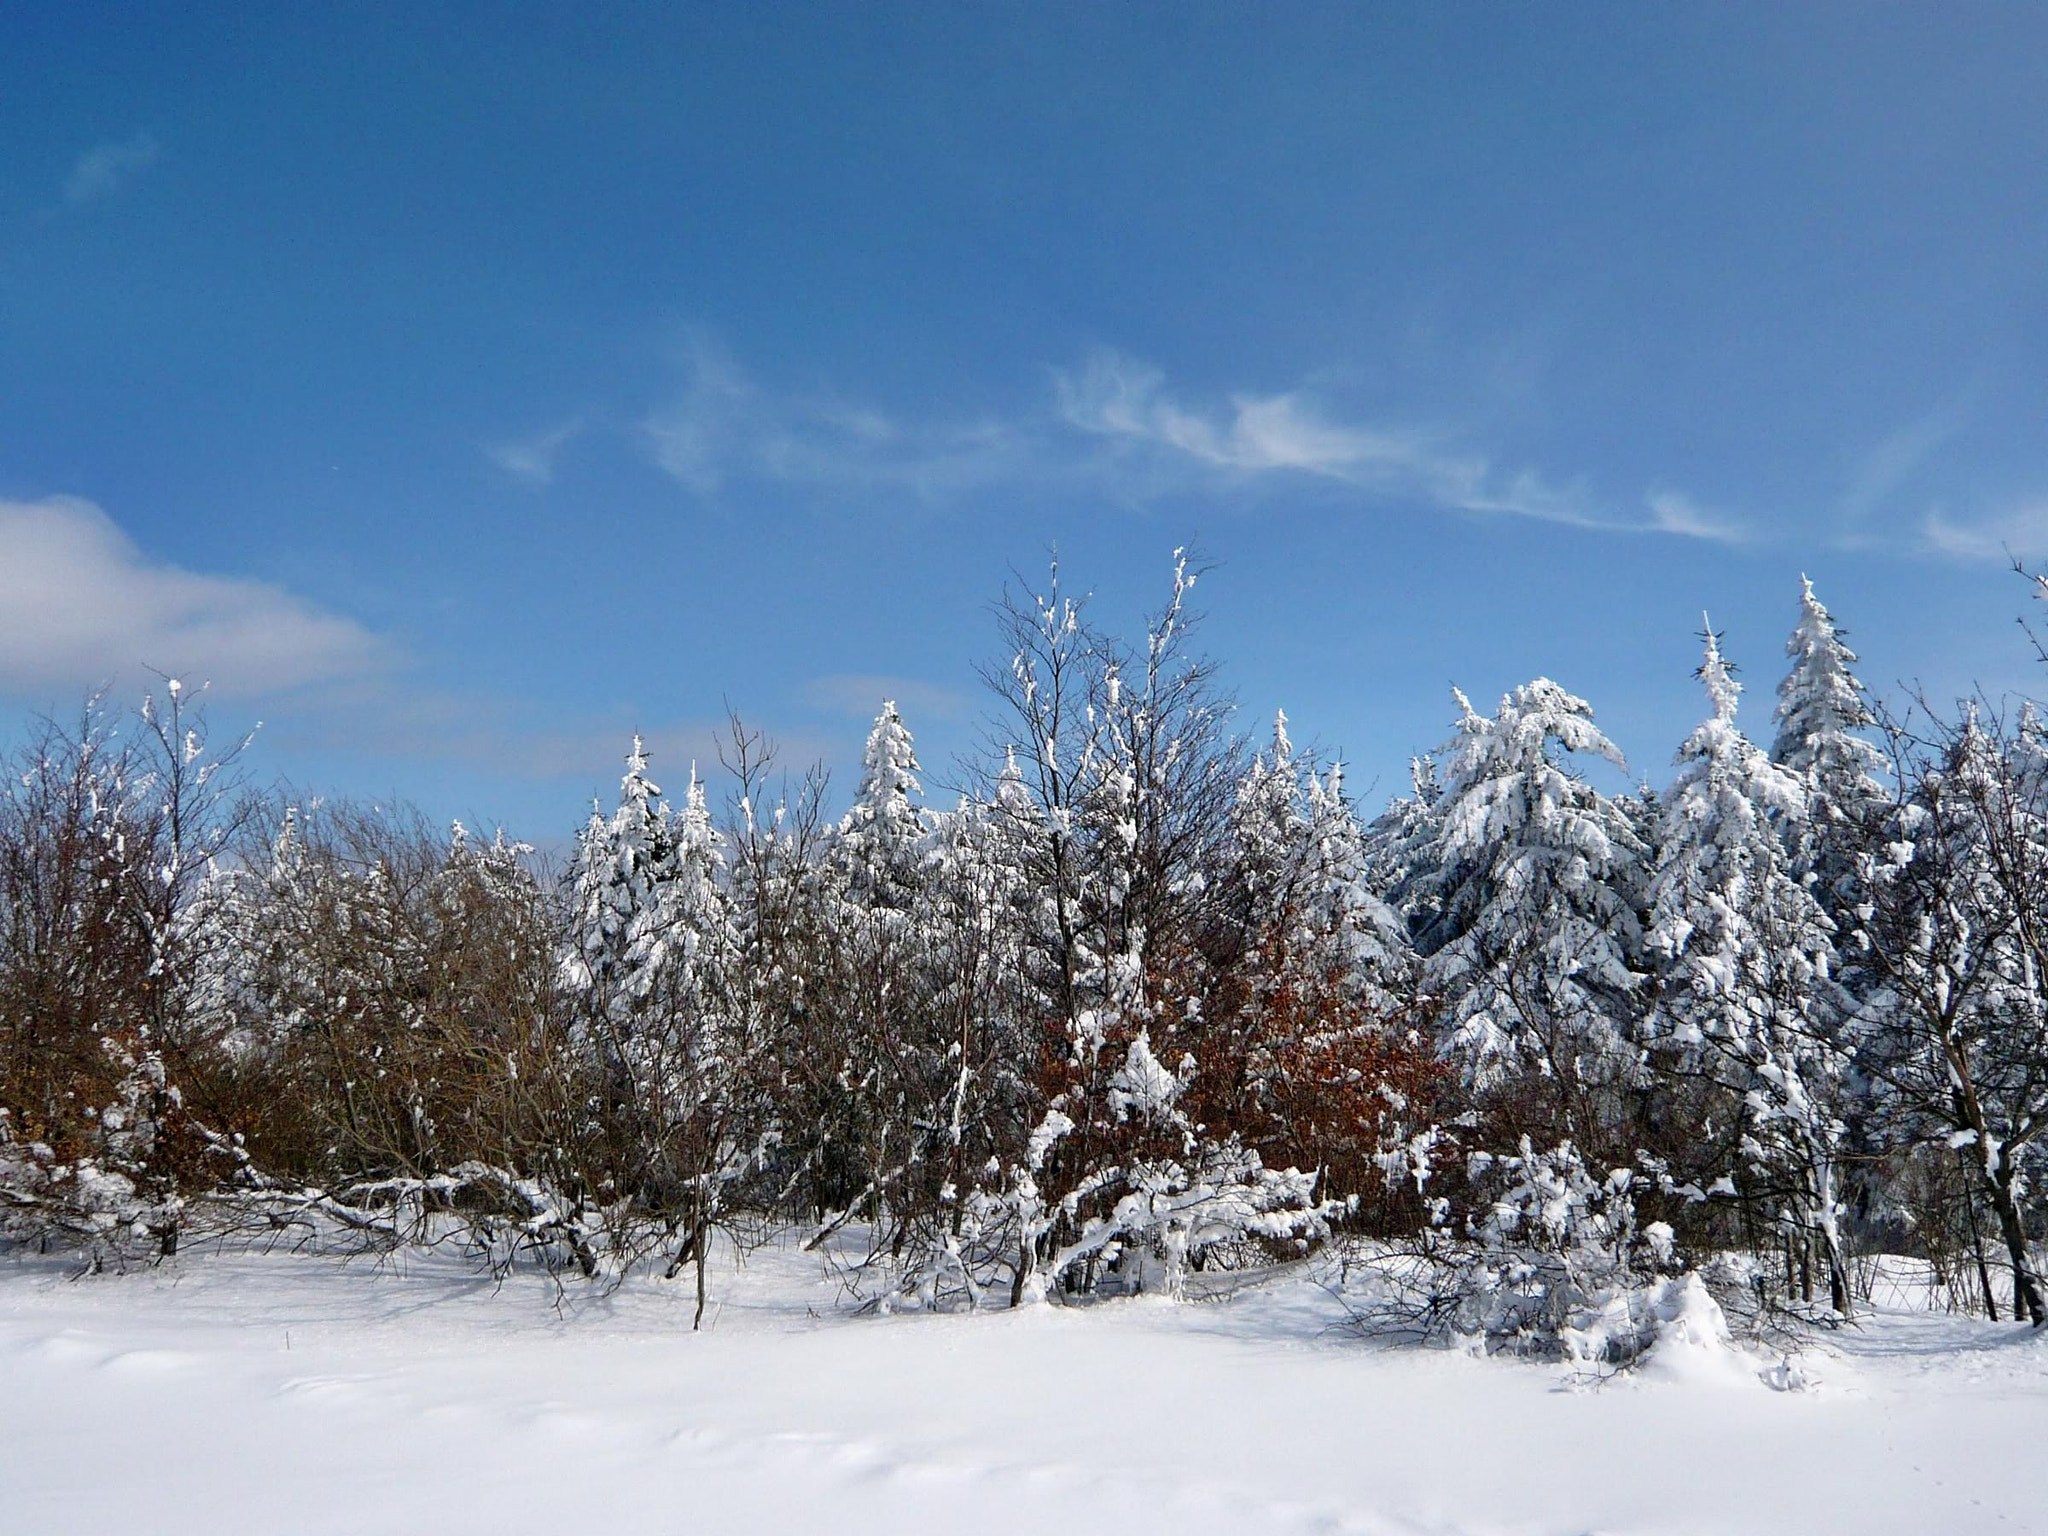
(1533, 951)
(1401, 845)
(973, 1220)
(618, 928)
(967, 1076)
(1955, 1031)
(679, 1009)
(697, 1108)
(1297, 855)
(867, 1054)
(879, 845)
(1821, 707)
(1747, 1004)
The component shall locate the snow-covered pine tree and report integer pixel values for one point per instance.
(618, 928)
(1400, 845)
(879, 842)
(1533, 952)
(1369, 937)
(866, 1059)
(1821, 707)
(698, 1053)
(1747, 1000)
(968, 1074)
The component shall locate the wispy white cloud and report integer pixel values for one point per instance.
(533, 459)
(1671, 512)
(81, 604)
(1112, 424)
(2020, 530)
(1118, 397)
(1249, 435)
(106, 168)
(724, 429)
(859, 695)
(1891, 461)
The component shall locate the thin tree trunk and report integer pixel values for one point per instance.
(2026, 1286)
(1977, 1249)
(701, 1240)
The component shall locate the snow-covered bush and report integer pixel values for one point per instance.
(1177, 1196)
(104, 844)
(1536, 1254)
(1170, 1200)
(108, 1196)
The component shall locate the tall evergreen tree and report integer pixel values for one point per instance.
(878, 845)
(1533, 948)
(1747, 1001)
(1821, 707)
(619, 885)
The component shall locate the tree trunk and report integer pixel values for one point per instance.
(1977, 1249)
(1827, 1211)
(700, 1239)
(683, 1254)
(1840, 1295)
(2026, 1285)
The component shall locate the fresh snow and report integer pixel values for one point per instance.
(229, 1393)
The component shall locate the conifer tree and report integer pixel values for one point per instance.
(1533, 948)
(1821, 707)
(625, 864)
(1748, 1002)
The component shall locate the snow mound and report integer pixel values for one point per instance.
(1693, 1345)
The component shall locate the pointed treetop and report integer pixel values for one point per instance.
(888, 782)
(1820, 701)
(1718, 675)
(1283, 749)
(636, 782)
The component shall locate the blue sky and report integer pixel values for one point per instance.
(462, 388)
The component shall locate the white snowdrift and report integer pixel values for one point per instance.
(225, 1394)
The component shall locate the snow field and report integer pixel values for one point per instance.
(269, 1393)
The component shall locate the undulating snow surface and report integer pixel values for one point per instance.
(275, 1393)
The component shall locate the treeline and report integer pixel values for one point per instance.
(1149, 998)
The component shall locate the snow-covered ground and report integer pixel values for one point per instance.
(280, 1393)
